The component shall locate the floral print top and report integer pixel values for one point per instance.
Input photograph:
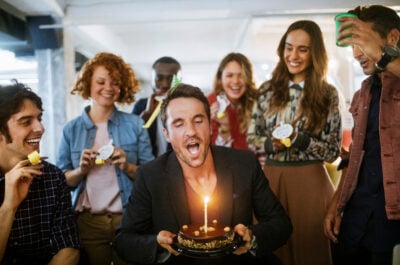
(323, 146)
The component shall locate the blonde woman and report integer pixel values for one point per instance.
(232, 100)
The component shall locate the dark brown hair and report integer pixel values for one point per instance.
(184, 91)
(383, 18)
(12, 98)
(315, 103)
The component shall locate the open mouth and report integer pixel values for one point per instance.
(108, 95)
(235, 89)
(33, 141)
(193, 148)
(294, 64)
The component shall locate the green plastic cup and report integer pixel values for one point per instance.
(339, 24)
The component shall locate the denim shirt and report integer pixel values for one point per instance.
(126, 132)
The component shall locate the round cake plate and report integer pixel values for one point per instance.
(211, 253)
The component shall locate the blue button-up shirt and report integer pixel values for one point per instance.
(126, 132)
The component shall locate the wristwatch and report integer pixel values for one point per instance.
(389, 53)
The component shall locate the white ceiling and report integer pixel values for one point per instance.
(196, 32)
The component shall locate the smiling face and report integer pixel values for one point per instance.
(104, 91)
(297, 54)
(163, 74)
(26, 130)
(188, 130)
(233, 81)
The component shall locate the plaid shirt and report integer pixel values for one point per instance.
(44, 222)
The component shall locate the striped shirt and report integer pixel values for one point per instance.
(44, 222)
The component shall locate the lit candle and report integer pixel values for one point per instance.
(206, 200)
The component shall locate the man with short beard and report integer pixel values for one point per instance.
(364, 215)
(167, 192)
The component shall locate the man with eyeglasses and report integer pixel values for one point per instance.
(164, 69)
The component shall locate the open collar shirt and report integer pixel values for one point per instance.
(389, 135)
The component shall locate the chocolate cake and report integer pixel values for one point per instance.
(217, 236)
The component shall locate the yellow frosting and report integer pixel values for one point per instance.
(286, 142)
(99, 161)
(34, 158)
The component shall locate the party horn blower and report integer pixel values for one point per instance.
(174, 83)
(153, 115)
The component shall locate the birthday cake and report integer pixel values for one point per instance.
(195, 237)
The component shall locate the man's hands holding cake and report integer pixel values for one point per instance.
(219, 237)
(247, 237)
(165, 239)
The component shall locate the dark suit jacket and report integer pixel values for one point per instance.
(158, 202)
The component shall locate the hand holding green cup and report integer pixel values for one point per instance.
(339, 24)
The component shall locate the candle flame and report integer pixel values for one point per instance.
(206, 199)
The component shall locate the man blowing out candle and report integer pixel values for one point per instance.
(168, 190)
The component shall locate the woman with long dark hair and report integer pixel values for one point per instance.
(299, 102)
